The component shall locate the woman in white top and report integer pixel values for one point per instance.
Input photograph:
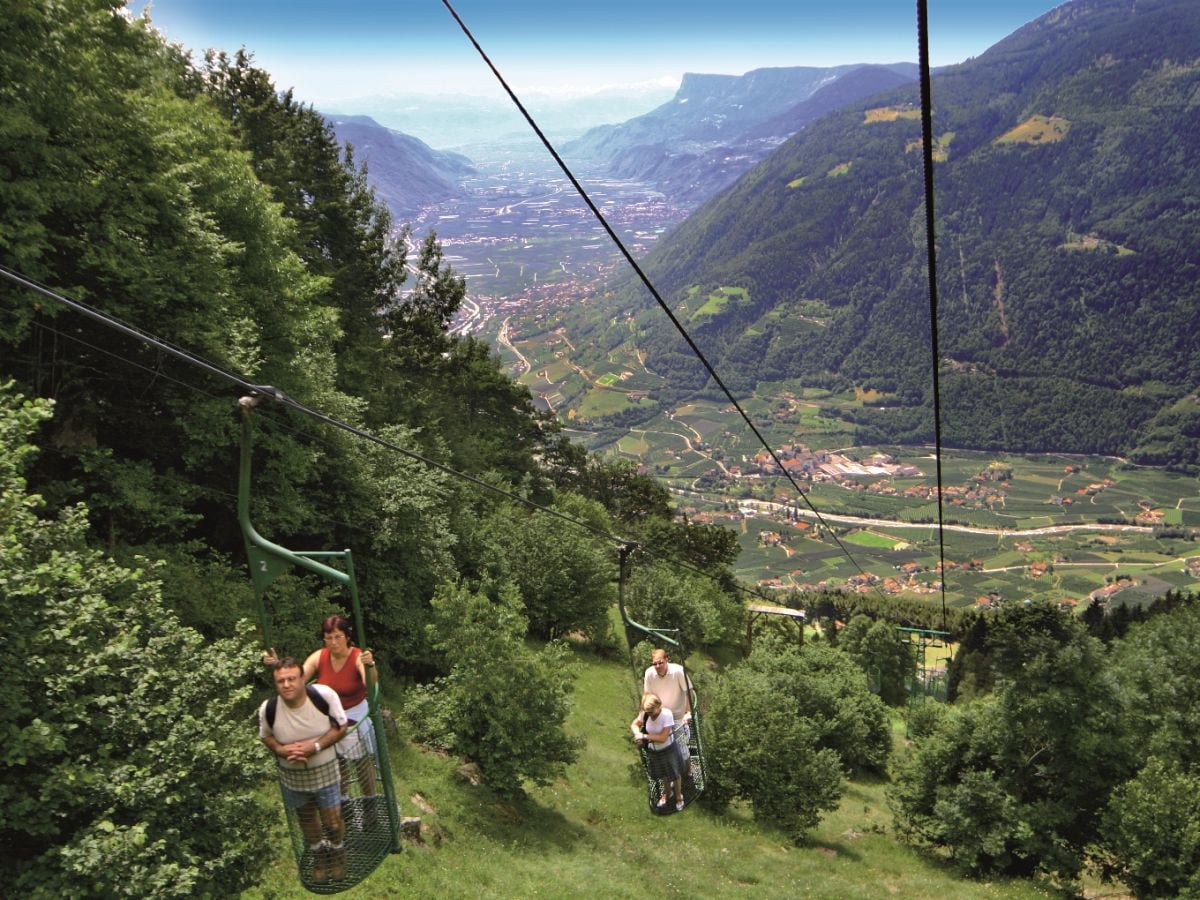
(654, 729)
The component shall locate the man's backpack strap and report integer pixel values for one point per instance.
(319, 701)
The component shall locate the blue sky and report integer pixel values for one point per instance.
(328, 51)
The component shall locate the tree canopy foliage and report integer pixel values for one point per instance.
(873, 645)
(205, 206)
(785, 727)
(763, 753)
(502, 704)
(1150, 833)
(564, 575)
(1058, 753)
(114, 781)
(194, 200)
(659, 596)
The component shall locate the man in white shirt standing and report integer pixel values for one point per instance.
(667, 681)
(301, 731)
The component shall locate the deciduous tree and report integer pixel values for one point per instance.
(128, 762)
(503, 705)
(878, 651)
(1013, 781)
(661, 595)
(564, 575)
(763, 748)
(1150, 833)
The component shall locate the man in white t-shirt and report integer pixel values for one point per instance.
(667, 681)
(302, 736)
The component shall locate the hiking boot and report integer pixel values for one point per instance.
(337, 863)
(320, 864)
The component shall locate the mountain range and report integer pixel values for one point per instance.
(714, 129)
(1067, 197)
(717, 127)
(406, 173)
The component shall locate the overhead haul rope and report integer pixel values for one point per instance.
(279, 396)
(647, 283)
(159, 373)
(931, 263)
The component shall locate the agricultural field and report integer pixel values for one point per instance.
(599, 402)
(1064, 565)
(792, 324)
(999, 493)
(714, 304)
(634, 445)
(1037, 130)
(890, 114)
(869, 538)
(1008, 517)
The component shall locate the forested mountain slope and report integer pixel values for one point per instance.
(1067, 173)
(405, 171)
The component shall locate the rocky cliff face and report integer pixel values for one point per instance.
(717, 127)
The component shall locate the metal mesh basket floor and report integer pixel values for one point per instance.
(369, 831)
(368, 841)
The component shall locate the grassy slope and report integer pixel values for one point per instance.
(590, 834)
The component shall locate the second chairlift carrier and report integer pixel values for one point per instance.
(694, 768)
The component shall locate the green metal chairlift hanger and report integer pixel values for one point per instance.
(372, 822)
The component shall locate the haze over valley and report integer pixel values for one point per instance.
(521, 235)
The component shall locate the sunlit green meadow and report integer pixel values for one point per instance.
(590, 833)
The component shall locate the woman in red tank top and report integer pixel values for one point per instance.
(344, 675)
